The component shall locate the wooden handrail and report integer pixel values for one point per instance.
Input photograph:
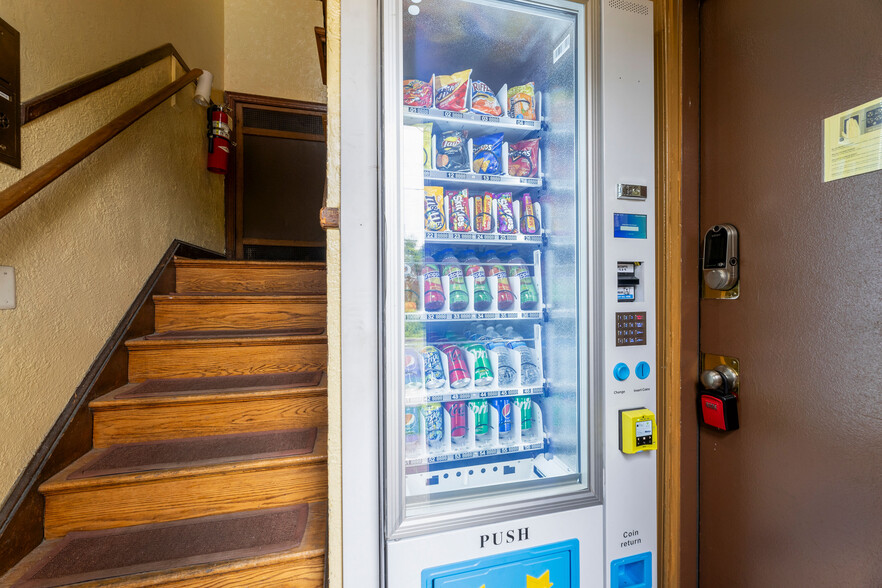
(46, 103)
(38, 179)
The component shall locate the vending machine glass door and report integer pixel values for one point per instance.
(488, 276)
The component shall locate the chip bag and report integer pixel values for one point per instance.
(427, 144)
(520, 102)
(450, 91)
(436, 220)
(417, 93)
(484, 100)
(487, 154)
(523, 159)
(453, 151)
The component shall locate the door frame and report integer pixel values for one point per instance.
(234, 182)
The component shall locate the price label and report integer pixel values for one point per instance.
(489, 178)
(415, 110)
(451, 114)
(456, 176)
(485, 118)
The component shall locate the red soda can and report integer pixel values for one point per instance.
(457, 366)
(457, 411)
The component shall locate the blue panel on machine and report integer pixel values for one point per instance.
(632, 572)
(629, 226)
(550, 566)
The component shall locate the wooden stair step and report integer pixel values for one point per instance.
(191, 356)
(265, 548)
(200, 275)
(183, 312)
(154, 410)
(142, 483)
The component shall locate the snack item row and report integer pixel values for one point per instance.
(482, 155)
(458, 92)
(480, 212)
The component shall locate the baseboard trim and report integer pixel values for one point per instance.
(21, 516)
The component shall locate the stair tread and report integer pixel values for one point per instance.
(179, 549)
(185, 262)
(243, 296)
(211, 388)
(193, 456)
(235, 333)
(193, 338)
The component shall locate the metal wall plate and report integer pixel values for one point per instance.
(630, 192)
(7, 287)
(708, 293)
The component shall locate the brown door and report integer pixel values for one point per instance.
(794, 497)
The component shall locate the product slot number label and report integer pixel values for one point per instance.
(415, 110)
(485, 118)
(451, 114)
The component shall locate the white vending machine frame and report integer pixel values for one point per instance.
(613, 515)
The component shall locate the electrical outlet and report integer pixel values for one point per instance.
(7, 287)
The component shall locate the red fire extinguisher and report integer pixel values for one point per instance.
(218, 139)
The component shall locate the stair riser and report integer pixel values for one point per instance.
(195, 419)
(153, 501)
(174, 315)
(177, 361)
(239, 279)
(302, 573)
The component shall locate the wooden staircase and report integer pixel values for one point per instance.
(209, 469)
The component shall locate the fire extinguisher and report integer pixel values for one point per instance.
(218, 139)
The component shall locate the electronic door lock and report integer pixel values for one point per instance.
(720, 267)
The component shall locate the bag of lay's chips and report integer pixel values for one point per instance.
(487, 154)
(450, 91)
(427, 143)
(484, 100)
(433, 197)
(453, 151)
(417, 93)
(520, 102)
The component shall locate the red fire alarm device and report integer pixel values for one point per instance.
(719, 409)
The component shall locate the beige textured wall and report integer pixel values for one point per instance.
(83, 247)
(270, 49)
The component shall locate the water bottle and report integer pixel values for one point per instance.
(529, 370)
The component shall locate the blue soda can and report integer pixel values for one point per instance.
(434, 417)
(434, 369)
(503, 407)
(413, 374)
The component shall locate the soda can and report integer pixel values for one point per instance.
(457, 409)
(525, 404)
(434, 369)
(457, 368)
(434, 418)
(483, 369)
(503, 407)
(411, 424)
(481, 411)
(413, 375)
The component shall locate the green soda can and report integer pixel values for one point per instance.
(480, 409)
(458, 295)
(525, 404)
(529, 295)
(483, 373)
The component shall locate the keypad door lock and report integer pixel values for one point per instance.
(720, 266)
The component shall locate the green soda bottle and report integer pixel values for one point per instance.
(457, 295)
(529, 295)
(481, 291)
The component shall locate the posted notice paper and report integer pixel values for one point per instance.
(853, 141)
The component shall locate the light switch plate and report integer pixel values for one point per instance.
(7, 287)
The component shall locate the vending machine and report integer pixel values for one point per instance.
(498, 294)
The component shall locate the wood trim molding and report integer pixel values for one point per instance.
(21, 515)
(321, 45)
(46, 103)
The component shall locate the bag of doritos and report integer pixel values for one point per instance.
(417, 93)
(484, 100)
(520, 102)
(523, 158)
(487, 154)
(453, 151)
(450, 91)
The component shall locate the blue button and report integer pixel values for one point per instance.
(621, 372)
(642, 370)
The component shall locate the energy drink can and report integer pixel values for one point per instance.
(457, 409)
(413, 374)
(483, 372)
(411, 427)
(503, 407)
(457, 368)
(481, 412)
(434, 419)
(434, 369)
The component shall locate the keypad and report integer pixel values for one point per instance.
(630, 328)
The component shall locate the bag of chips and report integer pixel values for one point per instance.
(487, 154)
(417, 93)
(427, 143)
(434, 208)
(484, 100)
(450, 91)
(520, 102)
(523, 158)
(453, 151)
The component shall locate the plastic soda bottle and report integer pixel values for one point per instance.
(412, 429)
(411, 288)
(504, 295)
(457, 409)
(529, 371)
(433, 416)
(434, 369)
(481, 291)
(483, 373)
(413, 374)
(506, 375)
(433, 292)
(457, 368)
(457, 293)
(525, 405)
(481, 412)
(503, 407)
(529, 295)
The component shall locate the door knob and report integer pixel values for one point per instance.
(713, 379)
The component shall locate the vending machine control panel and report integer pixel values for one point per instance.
(637, 431)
